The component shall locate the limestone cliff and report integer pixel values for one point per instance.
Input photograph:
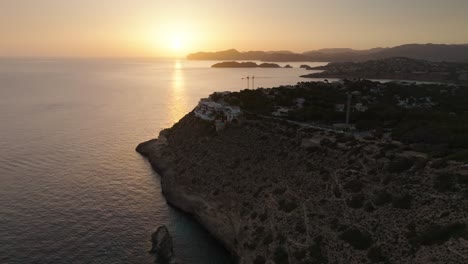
(272, 192)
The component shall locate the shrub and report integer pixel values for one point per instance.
(400, 165)
(382, 197)
(281, 256)
(260, 260)
(357, 239)
(300, 227)
(353, 186)
(444, 182)
(263, 216)
(374, 254)
(300, 254)
(316, 252)
(337, 192)
(438, 234)
(463, 179)
(279, 191)
(402, 201)
(268, 239)
(459, 156)
(439, 164)
(356, 201)
(287, 206)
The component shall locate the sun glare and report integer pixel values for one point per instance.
(177, 43)
(174, 39)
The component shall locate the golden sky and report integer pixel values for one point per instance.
(123, 28)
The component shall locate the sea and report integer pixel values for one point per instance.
(72, 187)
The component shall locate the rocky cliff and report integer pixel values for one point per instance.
(273, 192)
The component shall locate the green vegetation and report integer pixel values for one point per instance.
(432, 117)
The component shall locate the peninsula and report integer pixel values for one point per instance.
(397, 68)
(276, 179)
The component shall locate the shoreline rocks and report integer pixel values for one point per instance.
(162, 246)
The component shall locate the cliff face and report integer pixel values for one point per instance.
(275, 193)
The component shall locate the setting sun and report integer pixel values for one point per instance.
(177, 43)
(173, 39)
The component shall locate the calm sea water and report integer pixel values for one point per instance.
(72, 188)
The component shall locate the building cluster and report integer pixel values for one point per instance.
(218, 112)
(413, 102)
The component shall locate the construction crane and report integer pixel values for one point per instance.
(253, 80)
(248, 81)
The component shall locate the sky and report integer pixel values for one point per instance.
(155, 28)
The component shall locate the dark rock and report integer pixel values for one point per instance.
(146, 147)
(162, 245)
(288, 66)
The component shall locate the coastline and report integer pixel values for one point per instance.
(179, 197)
(263, 211)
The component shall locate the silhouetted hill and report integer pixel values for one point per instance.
(431, 52)
(233, 54)
(235, 64)
(344, 51)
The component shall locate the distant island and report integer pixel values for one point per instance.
(276, 176)
(395, 69)
(430, 52)
(235, 64)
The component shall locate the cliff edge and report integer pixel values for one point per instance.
(273, 192)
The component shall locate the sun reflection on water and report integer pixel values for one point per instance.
(178, 98)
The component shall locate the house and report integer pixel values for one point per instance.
(339, 107)
(300, 102)
(360, 107)
(281, 111)
(210, 110)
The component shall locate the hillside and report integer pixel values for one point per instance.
(432, 52)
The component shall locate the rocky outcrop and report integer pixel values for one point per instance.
(235, 64)
(162, 246)
(304, 66)
(271, 199)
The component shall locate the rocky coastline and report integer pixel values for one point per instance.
(272, 192)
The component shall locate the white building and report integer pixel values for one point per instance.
(339, 107)
(281, 111)
(210, 111)
(360, 107)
